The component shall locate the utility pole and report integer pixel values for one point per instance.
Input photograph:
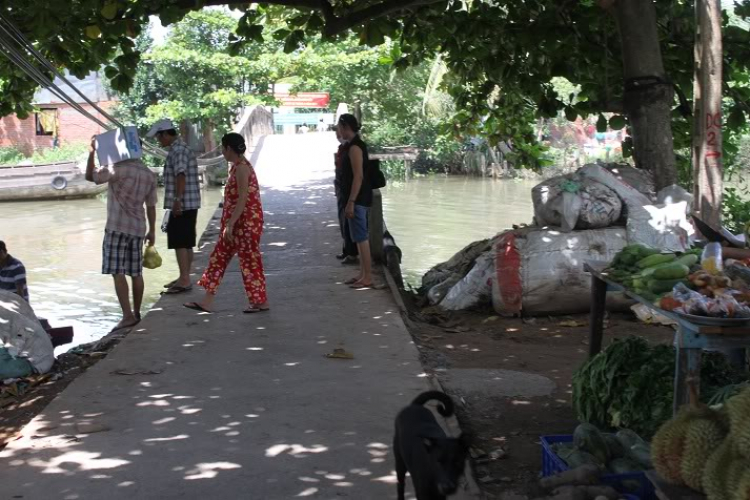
(707, 136)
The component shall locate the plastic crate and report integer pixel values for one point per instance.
(624, 483)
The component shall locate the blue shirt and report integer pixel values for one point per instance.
(12, 273)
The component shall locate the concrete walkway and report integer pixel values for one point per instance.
(229, 406)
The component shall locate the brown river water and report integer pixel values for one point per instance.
(59, 242)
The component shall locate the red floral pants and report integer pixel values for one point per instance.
(247, 247)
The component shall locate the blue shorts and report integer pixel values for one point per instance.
(358, 225)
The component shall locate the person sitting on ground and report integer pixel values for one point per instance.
(12, 274)
(131, 185)
(355, 183)
(241, 230)
(182, 195)
(349, 250)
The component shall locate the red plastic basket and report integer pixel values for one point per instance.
(624, 483)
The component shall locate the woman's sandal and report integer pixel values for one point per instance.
(253, 310)
(351, 281)
(196, 307)
(361, 286)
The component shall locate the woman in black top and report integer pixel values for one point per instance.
(355, 184)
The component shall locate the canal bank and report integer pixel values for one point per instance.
(214, 406)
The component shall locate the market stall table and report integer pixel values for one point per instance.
(690, 337)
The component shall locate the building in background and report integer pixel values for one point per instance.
(55, 123)
(303, 109)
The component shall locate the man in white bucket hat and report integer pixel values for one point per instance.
(182, 195)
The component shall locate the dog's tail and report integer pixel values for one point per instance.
(446, 403)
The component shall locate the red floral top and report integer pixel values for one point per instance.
(253, 213)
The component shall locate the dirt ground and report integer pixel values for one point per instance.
(22, 401)
(506, 430)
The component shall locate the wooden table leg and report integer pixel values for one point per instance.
(598, 309)
(687, 371)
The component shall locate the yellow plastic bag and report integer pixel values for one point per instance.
(151, 258)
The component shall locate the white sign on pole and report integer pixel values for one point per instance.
(117, 145)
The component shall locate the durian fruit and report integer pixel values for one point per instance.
(742, 489)
(723, 473)
(667, 447)
(738, 410)
(716, 472)
(706, 432)
(682, 445)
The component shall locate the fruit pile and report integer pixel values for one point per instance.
(621, 453)
(707, 449)
(651, 274)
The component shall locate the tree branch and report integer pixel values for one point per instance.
(333, 24)
(353, 18)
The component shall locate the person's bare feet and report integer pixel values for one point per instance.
(126, 322)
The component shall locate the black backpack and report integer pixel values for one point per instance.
(377, 178)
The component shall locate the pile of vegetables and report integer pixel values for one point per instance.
(707, 449)
(581, 483)
(649, 273)
(630, 385)
(620, 453)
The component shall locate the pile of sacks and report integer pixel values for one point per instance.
(586, 216)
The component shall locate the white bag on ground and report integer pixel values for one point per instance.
(22, 334)
(660, 226)
(639, 179)
(438, 292)
(474, 288)
(631, 196)
(574, 202)
(539, 270)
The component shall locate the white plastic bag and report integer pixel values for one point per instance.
(474, 288)
(22, 333)
(659, 226)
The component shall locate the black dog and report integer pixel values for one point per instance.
(434, 460)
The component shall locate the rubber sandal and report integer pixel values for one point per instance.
(339, 353)
(351, 281)
(170, 284)
(361, 286)
(254, 310)
(196, 307)
(174, 290)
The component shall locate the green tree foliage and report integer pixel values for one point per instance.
(502, 55)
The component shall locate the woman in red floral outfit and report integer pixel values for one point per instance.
(241, 228)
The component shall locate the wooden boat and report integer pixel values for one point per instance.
(48, 181)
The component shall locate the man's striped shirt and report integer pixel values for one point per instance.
(11, 274)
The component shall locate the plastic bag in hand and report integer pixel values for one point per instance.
(151, 258)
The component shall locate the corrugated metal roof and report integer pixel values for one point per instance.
(91, 86)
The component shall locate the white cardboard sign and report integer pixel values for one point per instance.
(117, 145)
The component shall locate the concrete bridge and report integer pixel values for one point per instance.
(225, 406)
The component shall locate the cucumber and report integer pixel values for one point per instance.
(688, 259)
(624, 466)
(655, 260)
(671, 272)
(588, 438)
(662, 286)
(628, 438)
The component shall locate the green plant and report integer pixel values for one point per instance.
(67, 152)
(736, 209)
(10, 156)
(630, 384)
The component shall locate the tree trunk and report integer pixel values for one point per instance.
(648, 96)
(208, 135)
(707, 137)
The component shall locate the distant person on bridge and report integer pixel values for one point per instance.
(349, 252)
(12, 274)
(182, 195)
(241, 229)
(355, 183)
(131, 186)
